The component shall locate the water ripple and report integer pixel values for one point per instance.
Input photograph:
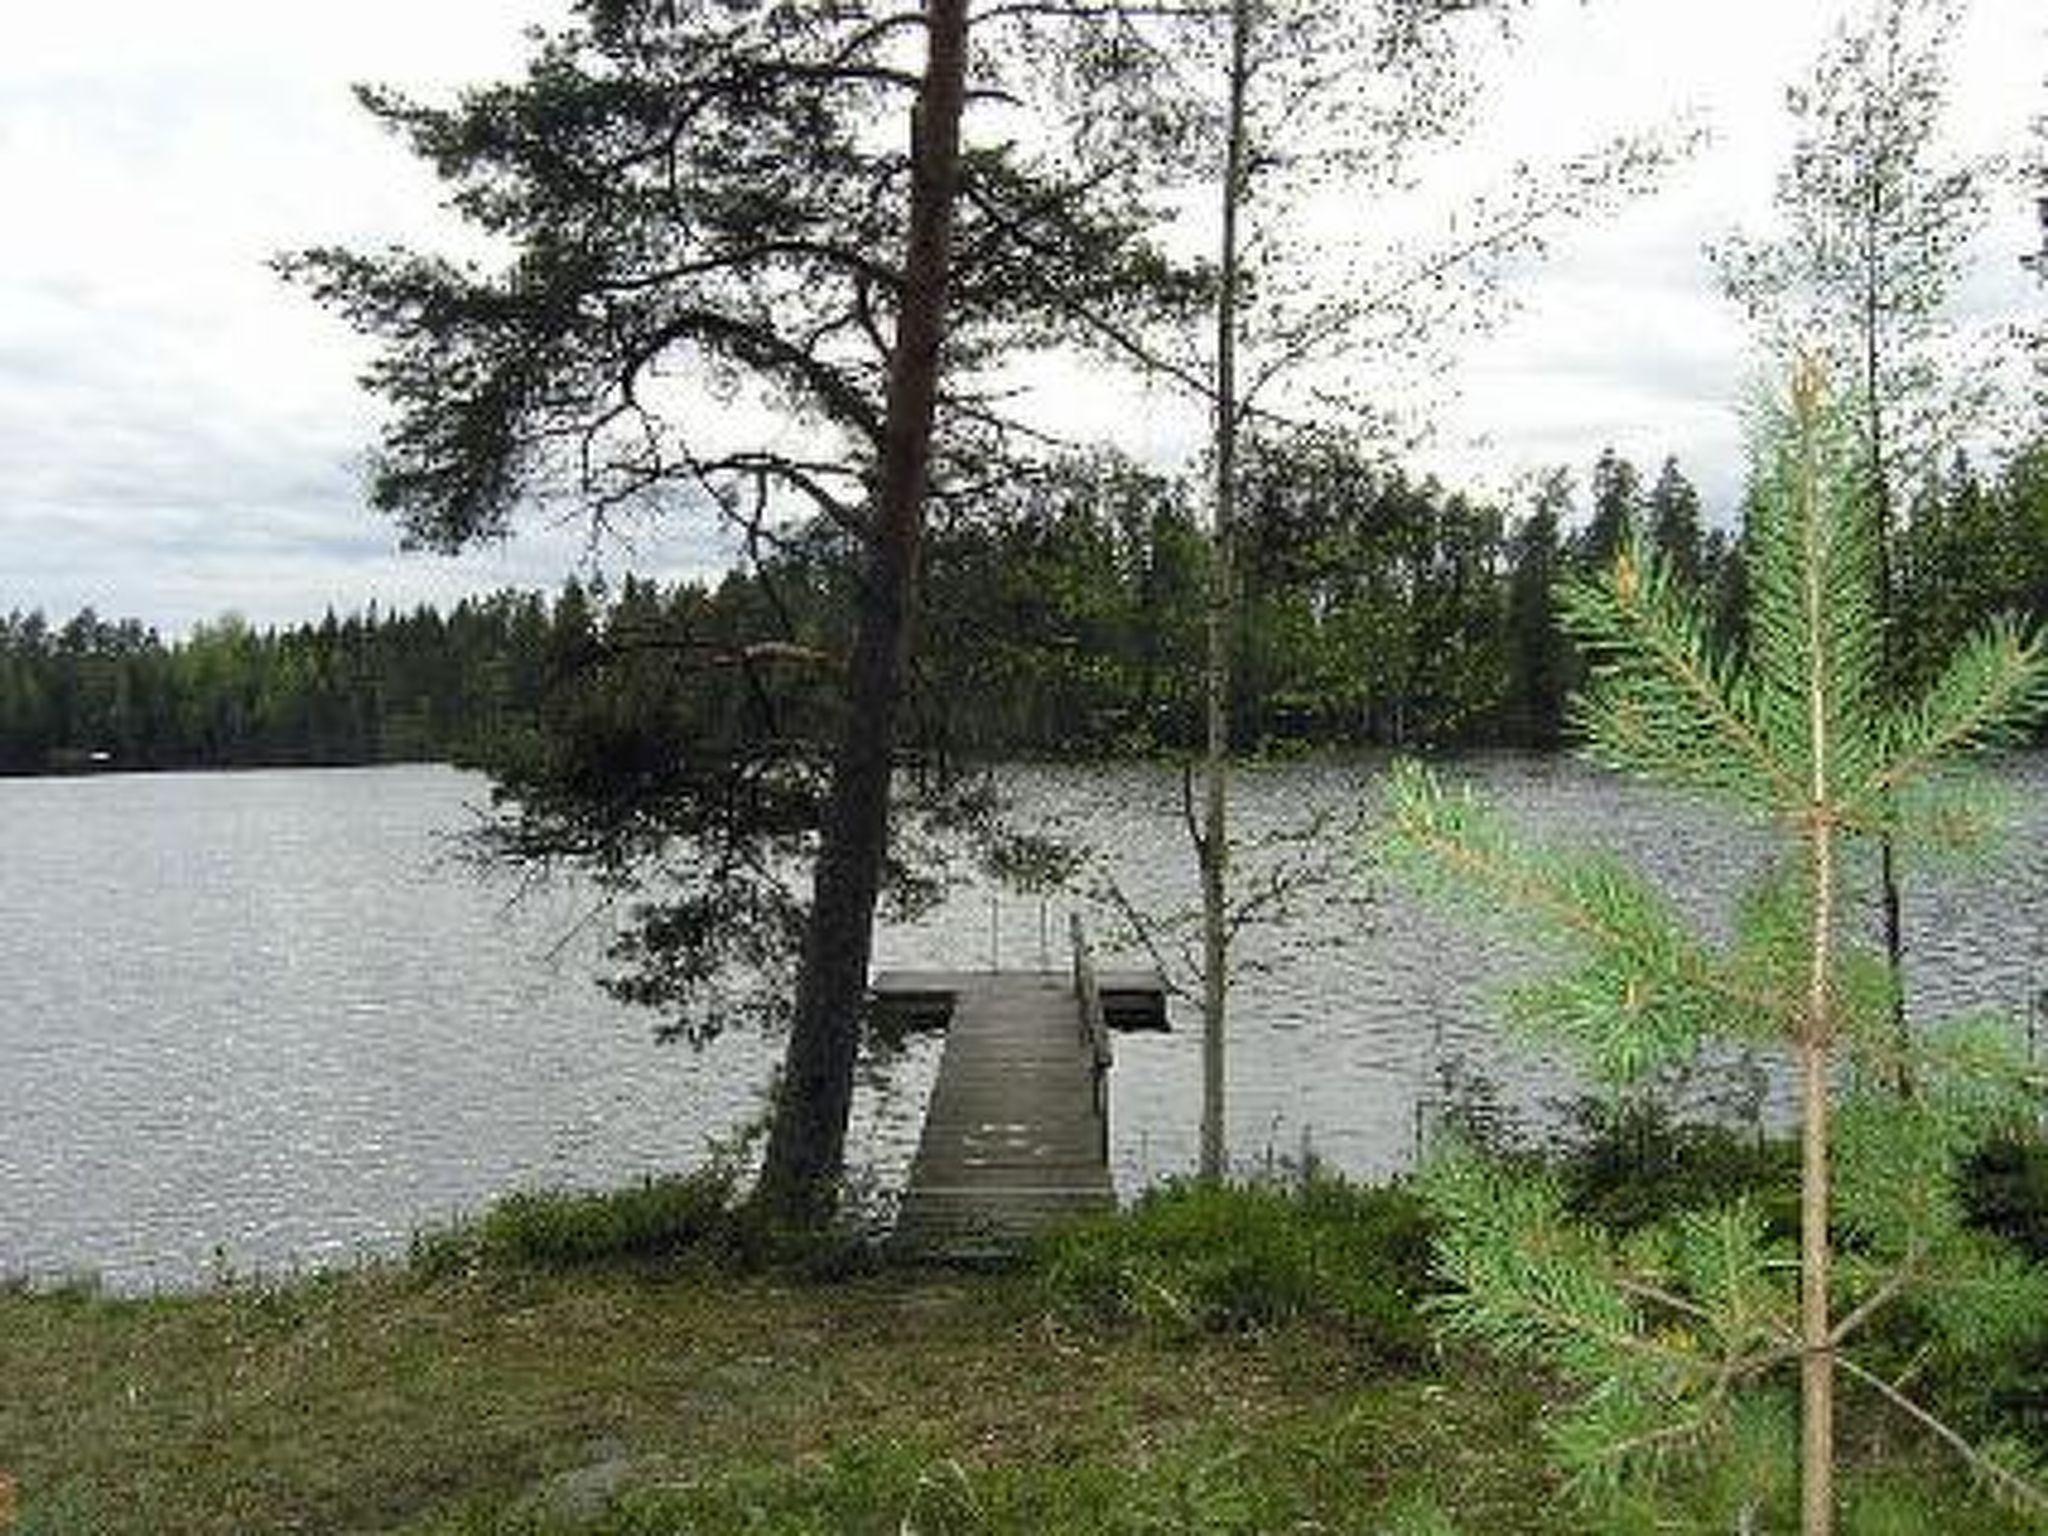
(251, 1019)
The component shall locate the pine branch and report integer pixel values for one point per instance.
(2026, 1493)
(1685, 1431)
(1814, 650)
(1894, 1286)
(1662, 704)
(1595, 904)
(1991, 690)
(1142, 927)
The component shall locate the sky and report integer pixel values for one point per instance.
(181, 435)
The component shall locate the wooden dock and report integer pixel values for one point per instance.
(1017, 1134)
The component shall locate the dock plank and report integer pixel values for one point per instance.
(1012, 1139)
(1133, 999)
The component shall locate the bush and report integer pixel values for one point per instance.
(1627, 1168)
(1229, 1258)
(2005, 1191)
(1632, 1165)
(657, 1221)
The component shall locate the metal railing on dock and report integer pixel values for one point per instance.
(1094, 1026)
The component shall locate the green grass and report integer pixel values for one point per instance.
(381, 1402)
(533, 1384)
(1192, 1259)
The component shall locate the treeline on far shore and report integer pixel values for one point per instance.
(1066, 618)
(370, 688)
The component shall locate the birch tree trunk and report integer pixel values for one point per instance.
(1222, 615)
(1816, 1026)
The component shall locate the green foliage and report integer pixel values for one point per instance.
(673, 1220)
(1977, 1347)
(1214, 1485)
(696, 200)
(2001, 1388)
(593, 1402)
(2006, 1192)
(1634, 1165)
(1642, 989)
(673, 1224)
(1203, 1258)
(371, 688)
(1678, 1327)
(1064, 618)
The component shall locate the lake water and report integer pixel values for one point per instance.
(261, 1020)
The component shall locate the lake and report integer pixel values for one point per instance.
(258, 1021)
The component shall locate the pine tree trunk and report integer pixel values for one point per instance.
(1891, 903)
(1215, 843)
(1817, 1360)
(807, 1144)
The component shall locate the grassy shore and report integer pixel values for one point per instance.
(480, 1392)
(374, 1402)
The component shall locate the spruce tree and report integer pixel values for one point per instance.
(1683, 1337)
(1674, 523)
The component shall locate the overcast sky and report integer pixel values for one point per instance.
(181, 435)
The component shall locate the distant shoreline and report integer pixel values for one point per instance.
(114, 769)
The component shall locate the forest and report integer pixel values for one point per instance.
(1378, 610)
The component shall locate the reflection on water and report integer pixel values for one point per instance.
(258, 1016)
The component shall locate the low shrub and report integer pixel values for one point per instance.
(2005, 1193)
(698, 1220)
(1230, 1258)
(1626, 1167)
(2005, 1190)
(664, 1220)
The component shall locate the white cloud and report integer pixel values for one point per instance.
(180, 433)
(1624, 339)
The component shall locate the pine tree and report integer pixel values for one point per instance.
(1538, 660)
(1876, 225)
(710, 203)
(1617, 492)
(1679, 1336)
